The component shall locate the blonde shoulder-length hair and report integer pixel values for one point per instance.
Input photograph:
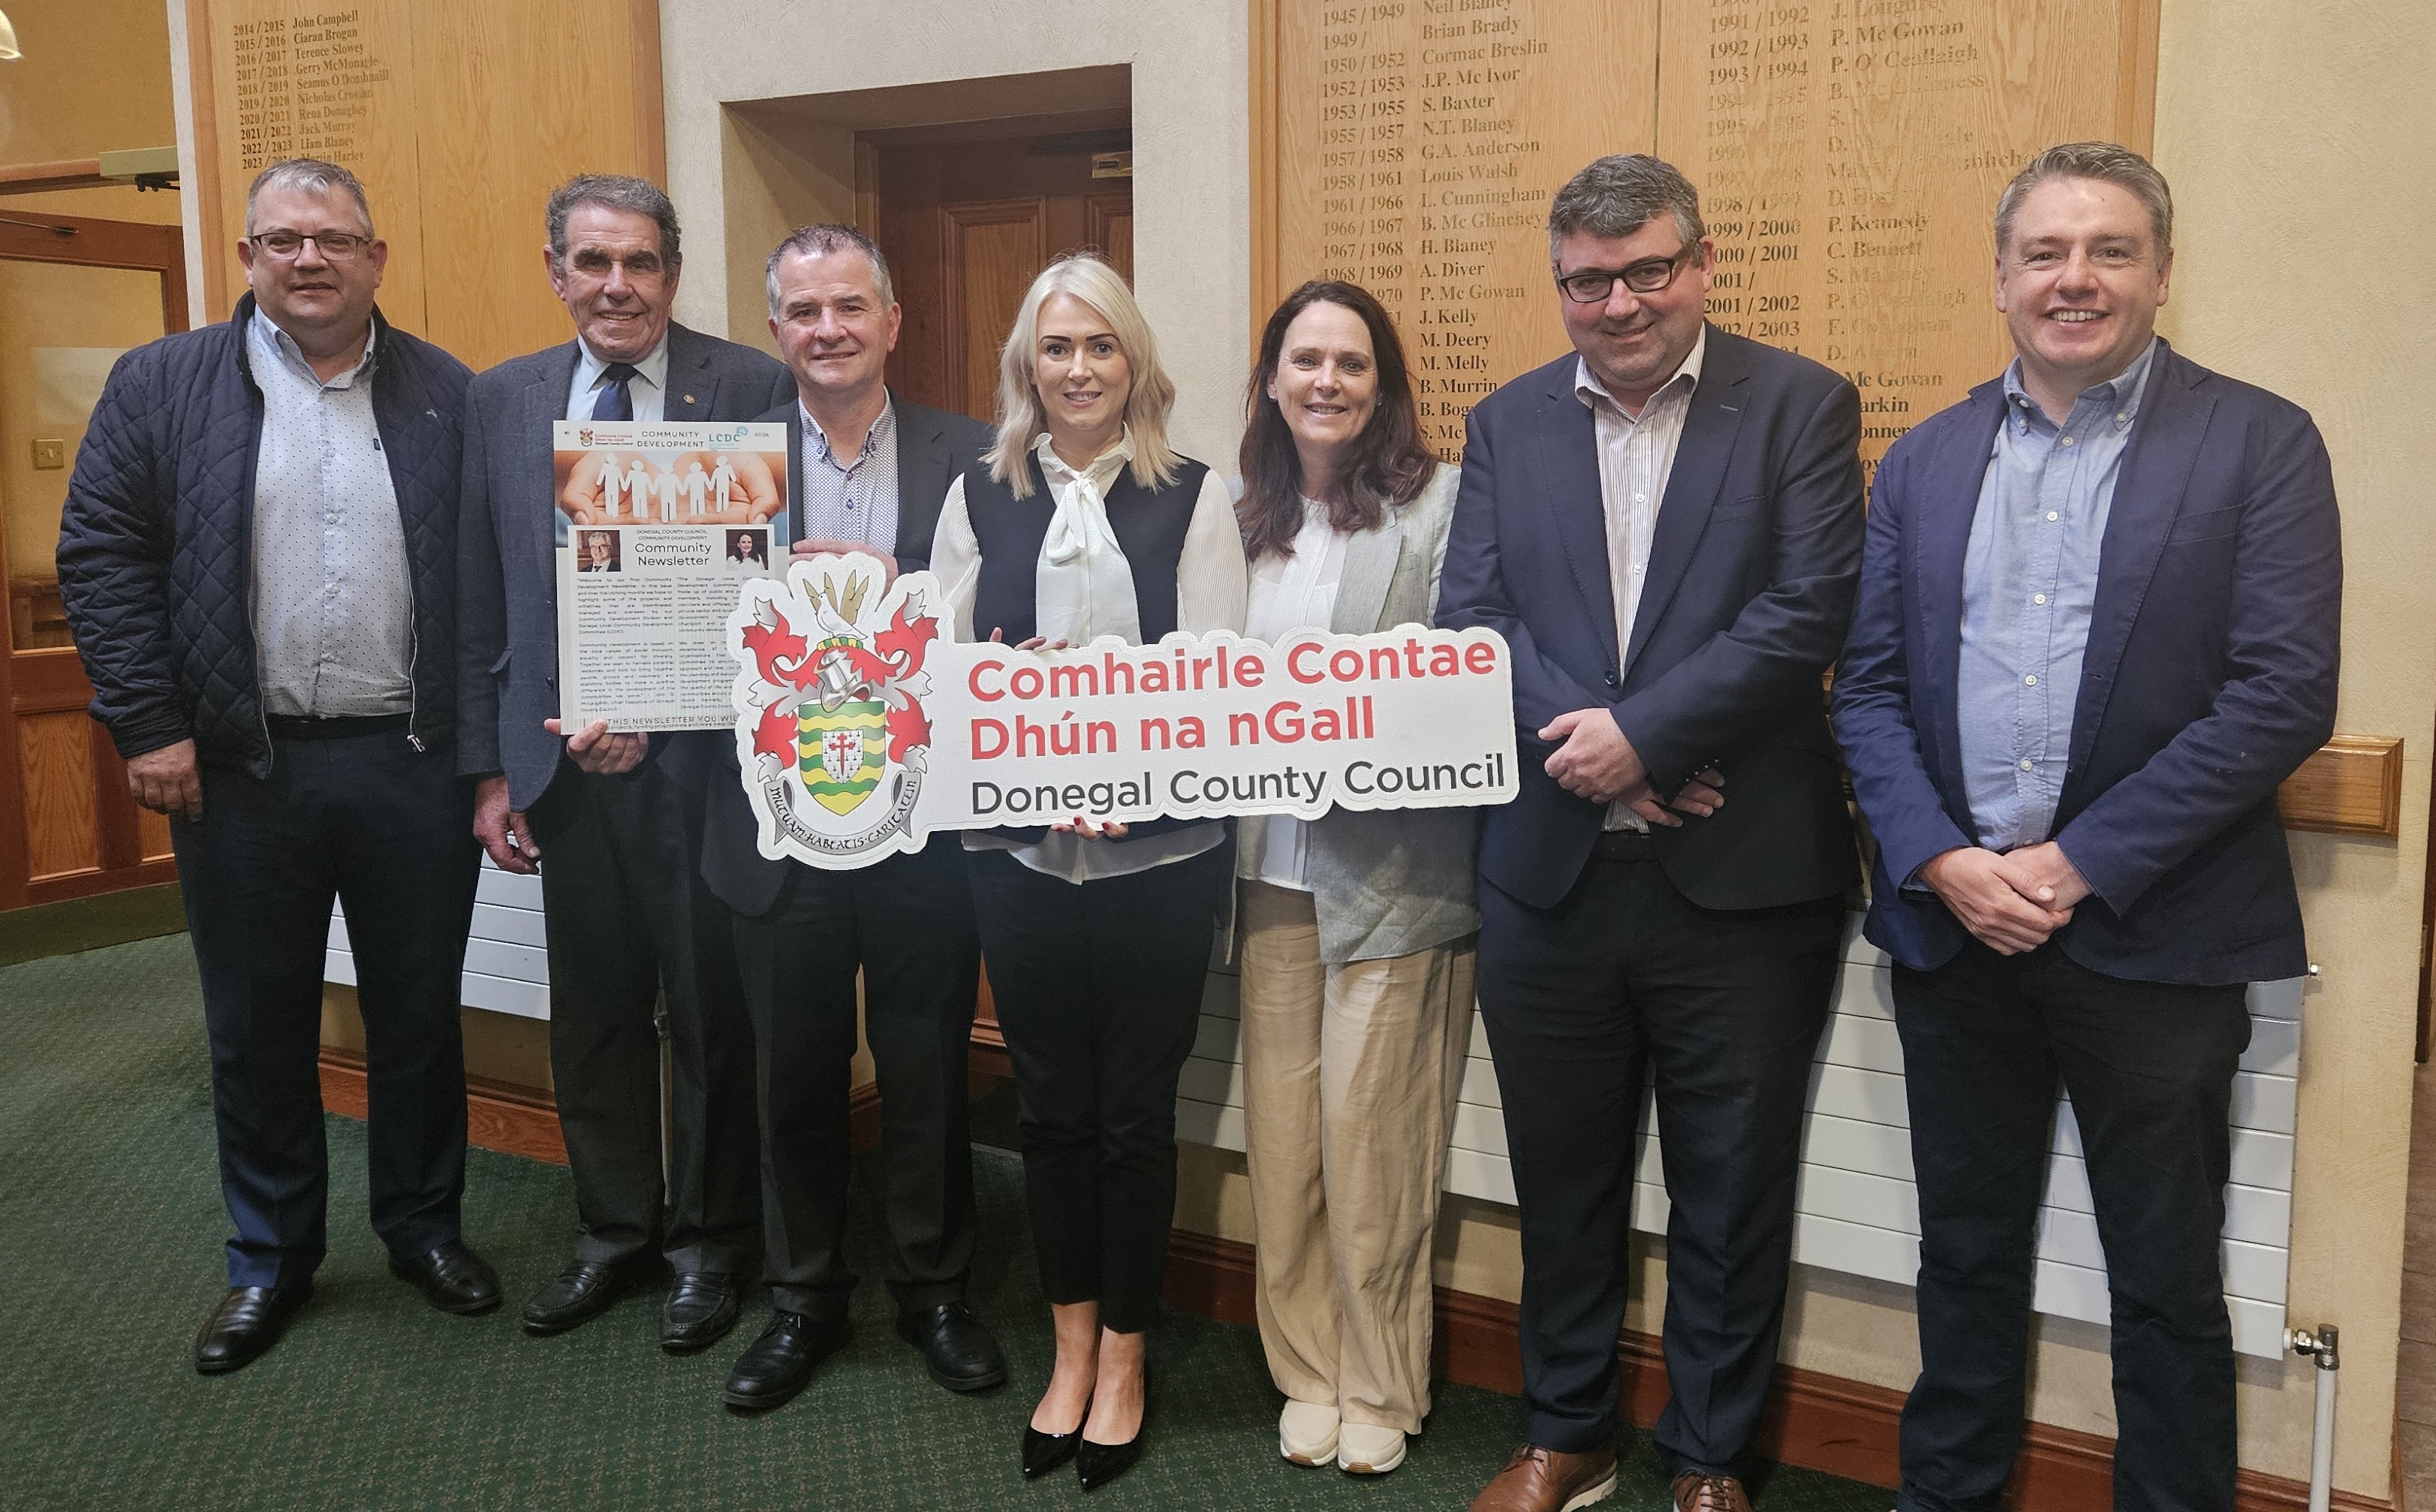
(1021, 417)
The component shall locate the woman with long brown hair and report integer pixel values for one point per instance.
(1357, 950)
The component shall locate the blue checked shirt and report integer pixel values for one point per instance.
(857, 503)
(2029, 585)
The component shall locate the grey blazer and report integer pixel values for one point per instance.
(507, 585)
(1392, 882)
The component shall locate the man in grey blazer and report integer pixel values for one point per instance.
(869, 473)
(626, 916)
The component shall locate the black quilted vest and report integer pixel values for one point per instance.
(1149, 525)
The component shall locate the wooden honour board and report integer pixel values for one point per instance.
(459, 116)
(1848, 154)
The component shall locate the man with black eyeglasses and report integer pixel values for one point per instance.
(257, 557)
(1665, 527)
(612, 821)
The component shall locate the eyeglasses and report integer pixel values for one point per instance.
(338, 246)
(1647, 276)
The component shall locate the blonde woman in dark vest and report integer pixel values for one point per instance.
(1082, 522)
(1357, 928)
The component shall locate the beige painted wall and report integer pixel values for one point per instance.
(2297, 141)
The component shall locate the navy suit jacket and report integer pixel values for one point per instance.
(2210, 676)
(507, 577)
(1745, 603)
(932, 447)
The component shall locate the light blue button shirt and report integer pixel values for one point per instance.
(2029, 586)
(333, 614)
(852, 503)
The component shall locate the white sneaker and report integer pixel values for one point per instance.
(1364, 1448)
(1307, 1433)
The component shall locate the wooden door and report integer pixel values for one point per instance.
(967, 216)
(73, 291)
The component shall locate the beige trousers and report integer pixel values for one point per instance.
(1349, 1081)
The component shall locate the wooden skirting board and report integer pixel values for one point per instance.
(1817, 1421)
(523, 1119)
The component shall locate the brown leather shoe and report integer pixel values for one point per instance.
(1696, 1492)
(1546, 1480)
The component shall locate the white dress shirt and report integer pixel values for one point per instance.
(1296, 591)
(1636, 456)
(1209, 595)
(333, 612)
(647, 391)
(851, 502)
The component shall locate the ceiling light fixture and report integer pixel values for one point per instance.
(7, 38)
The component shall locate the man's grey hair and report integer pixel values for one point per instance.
(2104, 160)
(613, 191)
(312, 176)
(822, 241)
(1618, 194)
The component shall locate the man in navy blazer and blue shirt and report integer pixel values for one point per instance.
(870, 474)
(2098, 626)
(625, 913)
(1665, 528)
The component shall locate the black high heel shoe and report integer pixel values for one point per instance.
(1096, 1464)
(1043, 1452)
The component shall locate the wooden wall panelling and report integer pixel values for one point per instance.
(1848, 169)
(460, 116)
(1415, 153)
(514, 98)
(291, 80)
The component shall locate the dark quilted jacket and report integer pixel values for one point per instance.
(156, 556)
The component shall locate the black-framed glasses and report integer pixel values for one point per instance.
(338, 246)
(1593, 286)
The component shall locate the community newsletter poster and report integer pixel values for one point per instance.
(658, 526)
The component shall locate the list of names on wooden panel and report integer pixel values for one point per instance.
(291, 81)
(304, 84)
(1419, 142)
(1849, 153)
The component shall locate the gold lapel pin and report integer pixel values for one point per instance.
(689, 398)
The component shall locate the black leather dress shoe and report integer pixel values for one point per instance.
(780, 1362)
(580, 1293)
(961, 1353)
(1096, 1464)
(453, 1277)
(247, 1321)
(700, 1307)
(1043, 1452)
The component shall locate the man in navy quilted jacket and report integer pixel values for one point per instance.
(258, 559)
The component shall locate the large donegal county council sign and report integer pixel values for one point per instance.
(862, 729)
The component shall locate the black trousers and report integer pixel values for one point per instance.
(628, 919)
(1582, 1004)
(908, 924)
(2149, 1069)
(387, 832)
(1097, 987)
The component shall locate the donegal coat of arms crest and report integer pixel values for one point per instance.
(829, 724)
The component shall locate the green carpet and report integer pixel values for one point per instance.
(89, 923)
(110, 1227)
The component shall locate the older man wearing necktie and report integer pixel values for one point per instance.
(626, 915)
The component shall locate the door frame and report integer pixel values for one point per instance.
(51, 680)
